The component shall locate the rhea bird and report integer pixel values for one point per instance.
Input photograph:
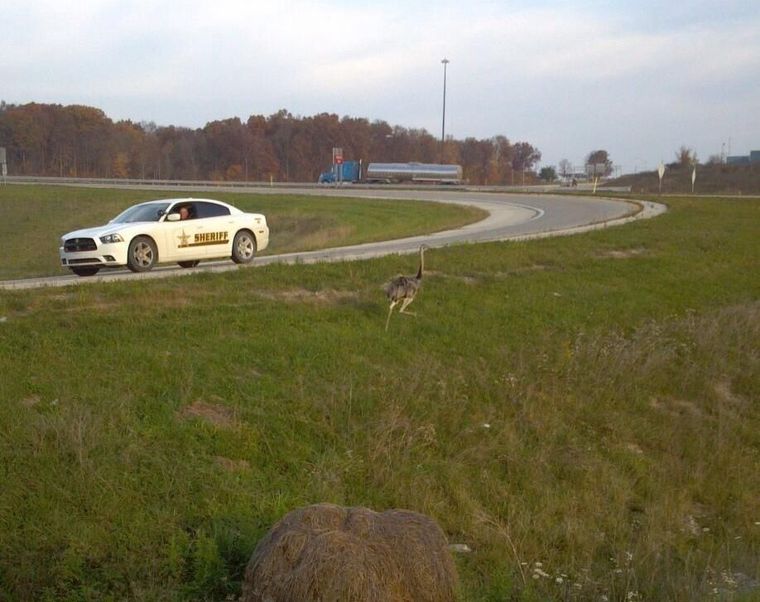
(403, 289)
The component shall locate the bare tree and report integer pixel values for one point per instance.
(686, 156)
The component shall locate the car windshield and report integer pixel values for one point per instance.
(147, 212)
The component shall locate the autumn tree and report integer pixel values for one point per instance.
(524, 156)
(598, 163)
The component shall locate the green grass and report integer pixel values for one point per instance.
(151, 432)
(33, 218)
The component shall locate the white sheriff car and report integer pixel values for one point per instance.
(185, 231)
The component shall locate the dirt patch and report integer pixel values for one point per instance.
(727, 396)
(623, 253)
(323, 297)
(215, 414)
(30, 401)
(677, 407)
(231, 465)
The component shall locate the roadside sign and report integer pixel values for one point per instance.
(661, 172)
(337, 162)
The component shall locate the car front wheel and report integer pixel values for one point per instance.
(243, 247)
(142, 255)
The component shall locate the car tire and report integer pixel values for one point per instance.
(142, 254)
(188, 264)
(243, 247)
(85, 271)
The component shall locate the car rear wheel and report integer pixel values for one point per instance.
(85, 271)
(142, 255)
(188, 264)
(243, 247)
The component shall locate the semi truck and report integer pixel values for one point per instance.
(392, 173)
(348, 171)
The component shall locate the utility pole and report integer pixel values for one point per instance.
(445, 62)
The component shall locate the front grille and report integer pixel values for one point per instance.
(72, 245)
(90, 260)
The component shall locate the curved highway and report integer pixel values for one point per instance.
(511, 217)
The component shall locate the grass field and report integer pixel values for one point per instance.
(33, 218)
(582, 412)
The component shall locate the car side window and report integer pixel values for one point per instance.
(210, 210)
(185, 210)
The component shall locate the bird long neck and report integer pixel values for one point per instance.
(422, 263)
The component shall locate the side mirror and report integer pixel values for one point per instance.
(172, 217)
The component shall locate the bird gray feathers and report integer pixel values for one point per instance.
(403, 289)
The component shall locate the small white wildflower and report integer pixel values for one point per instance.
(629, 556)
(618, 571)
(536, 576)
(757, 522)
(54, 402)
(3, 319)
(705, 529)
(540, 573)
(539, 564)
(558, 580)
(485, 425)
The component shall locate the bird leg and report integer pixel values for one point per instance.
(404, 305)
(390, 309)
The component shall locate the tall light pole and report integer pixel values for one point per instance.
(445, 62)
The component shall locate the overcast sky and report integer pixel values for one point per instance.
(638, 79)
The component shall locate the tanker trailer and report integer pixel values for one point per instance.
(413, 172)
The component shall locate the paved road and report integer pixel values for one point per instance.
(511, 217)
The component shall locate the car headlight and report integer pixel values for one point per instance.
(111, 238)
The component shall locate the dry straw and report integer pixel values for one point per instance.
(326, 552)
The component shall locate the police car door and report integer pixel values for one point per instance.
(182, 242)
(215, 234)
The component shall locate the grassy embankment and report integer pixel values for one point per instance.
(582, 412)
(33, 218)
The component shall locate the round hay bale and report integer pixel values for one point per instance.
(331, 553)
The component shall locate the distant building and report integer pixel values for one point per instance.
(753, 157)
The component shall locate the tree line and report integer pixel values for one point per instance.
(82, 141)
